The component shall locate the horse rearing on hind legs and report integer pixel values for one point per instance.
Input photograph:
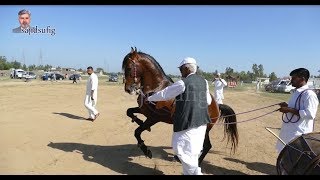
(143, 76)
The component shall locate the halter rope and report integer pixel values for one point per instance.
(142, 94)
(296, 105)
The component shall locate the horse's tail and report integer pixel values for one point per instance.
(230, 129)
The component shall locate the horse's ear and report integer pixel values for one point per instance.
(132, 50)
(135, 49)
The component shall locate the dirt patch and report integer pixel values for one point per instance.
(43, 131)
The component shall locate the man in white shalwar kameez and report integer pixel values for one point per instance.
(191, 115)
(300, 111)
(91, 97)
(219, 84)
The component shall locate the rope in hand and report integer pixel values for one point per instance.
(245, 120)
(141, 93)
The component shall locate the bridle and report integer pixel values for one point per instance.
(133, 74)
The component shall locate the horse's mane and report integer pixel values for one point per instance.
(146, 57)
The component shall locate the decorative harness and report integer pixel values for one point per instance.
(135, 79)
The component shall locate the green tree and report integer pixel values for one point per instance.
(47, 67)
(250, 76)
(3, 62)
(32, 67)
(229, 71)
(255, 71)
(15, 64)
(273, 76)
(24, 67)
(100, 69)
(40, 67)
(244, 76)
(260, 71)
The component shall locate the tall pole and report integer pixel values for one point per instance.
(40, 58)
(105, 65)
(23, 57)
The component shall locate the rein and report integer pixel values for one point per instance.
(247, 112)
(143, 95)
(296, 105)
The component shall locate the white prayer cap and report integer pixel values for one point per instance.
(187, 60)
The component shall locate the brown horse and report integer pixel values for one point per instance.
(144, 76)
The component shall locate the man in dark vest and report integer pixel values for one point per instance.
(191, 115)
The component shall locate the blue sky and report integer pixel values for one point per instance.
(281, 38)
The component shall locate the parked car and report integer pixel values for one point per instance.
(78, 76)
(58, 76)
(113, 78)
(29, 75)
(48, 76)
(285, 86)
(279, 85)
(45, 76)
(17, 73)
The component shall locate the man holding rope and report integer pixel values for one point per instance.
(299, 113)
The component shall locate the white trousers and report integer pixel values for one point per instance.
(218, 97)
(91, 106)
(187, 145)
(219, 100)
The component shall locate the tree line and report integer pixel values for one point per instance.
(6, 65)
(249, 76)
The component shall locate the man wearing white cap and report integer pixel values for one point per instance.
(191, 115)
(219, 84)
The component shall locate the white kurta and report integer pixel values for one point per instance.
(92, 84)
(218, 90)
(308, 109)
(187, 144)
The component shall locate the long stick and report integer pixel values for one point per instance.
(276, 136)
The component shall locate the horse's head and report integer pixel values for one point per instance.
(132, 71)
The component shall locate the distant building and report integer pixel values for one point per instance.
(68, 71)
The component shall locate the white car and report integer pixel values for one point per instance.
(285, 87)
(29, 75)
(17, 73)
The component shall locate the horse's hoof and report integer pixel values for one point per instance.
(176, 158)
(149, 154)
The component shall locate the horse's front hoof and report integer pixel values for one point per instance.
(176, 158)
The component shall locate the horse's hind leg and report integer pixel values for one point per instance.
(137, 133)
(134, 118)
(206, 144)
